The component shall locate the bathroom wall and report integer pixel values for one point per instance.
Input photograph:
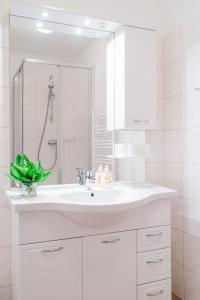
(4, 159)
(182, 153)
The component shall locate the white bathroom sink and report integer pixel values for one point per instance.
(94, 208)
(75, 199)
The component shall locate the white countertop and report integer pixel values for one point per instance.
(75, 198)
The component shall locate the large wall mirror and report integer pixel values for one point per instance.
(62, 69)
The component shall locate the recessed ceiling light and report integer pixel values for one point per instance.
(87, 22)
(79, 31)
(45, 14)
(39, 24)
(43, 30)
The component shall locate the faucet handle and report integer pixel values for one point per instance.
(90, 174)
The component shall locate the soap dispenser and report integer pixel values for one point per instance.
(99, 174)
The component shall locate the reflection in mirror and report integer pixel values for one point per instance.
(62, 85)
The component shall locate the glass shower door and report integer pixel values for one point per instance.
(75, 121)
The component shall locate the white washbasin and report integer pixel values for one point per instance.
(74, 198)
(93, 207)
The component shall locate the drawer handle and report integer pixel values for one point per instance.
(53, 250)
(154, 234)
(155, 261)
(141, 121)
(111, 241)
(155, 293)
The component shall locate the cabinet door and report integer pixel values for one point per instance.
(109, 267)
(52, 271)
(140, 78)
(135, 78)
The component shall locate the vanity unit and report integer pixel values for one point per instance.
(69, 243)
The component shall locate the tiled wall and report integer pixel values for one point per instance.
(182, 154)
(4, 161)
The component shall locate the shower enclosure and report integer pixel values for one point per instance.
(52, 116)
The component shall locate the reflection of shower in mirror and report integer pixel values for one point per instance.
(49, 109)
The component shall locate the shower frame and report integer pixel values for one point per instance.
(18, 108)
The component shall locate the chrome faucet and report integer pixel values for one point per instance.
(90, 179)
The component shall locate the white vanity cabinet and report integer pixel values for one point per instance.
(109, 263)
(135, 78)
(120, 255)
(52, 270)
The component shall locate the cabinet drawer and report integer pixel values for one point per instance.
(160, 290)
(153, 265)
(153, 238)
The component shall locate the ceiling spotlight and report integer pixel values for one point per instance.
(79, 31)
(87, 22)
(47, 31)
(45, 14)
(39, 24)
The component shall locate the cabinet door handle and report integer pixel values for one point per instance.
(197, 89)
(111, 241)
(155, 293)
(154, 234)
(141, 121)
(155, 261)
(52, 250)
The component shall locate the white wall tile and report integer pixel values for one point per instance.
(172, 80)
(5, 293)
(154, 173)
(177, 246)
(155, 139)
(191, 217)
(192, 286)
(191, 145)
(159, 82)
(172, 47)
(4, 266)
(191, 253)
(5, 147)
(177, 217)
(191, 186)
(173, 113)
(191, 109)
(159, 116)
(4, 226)
(4, 180)
(4, 67)
(173, 150)
(191, 73)
(5, 107)
(3, 199)
(190, 39)
(178, 280)
(159, 51)
(4, 32)
(173, 176)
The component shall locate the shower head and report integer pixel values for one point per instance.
(51, 82)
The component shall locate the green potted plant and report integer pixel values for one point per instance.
(27, 174)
